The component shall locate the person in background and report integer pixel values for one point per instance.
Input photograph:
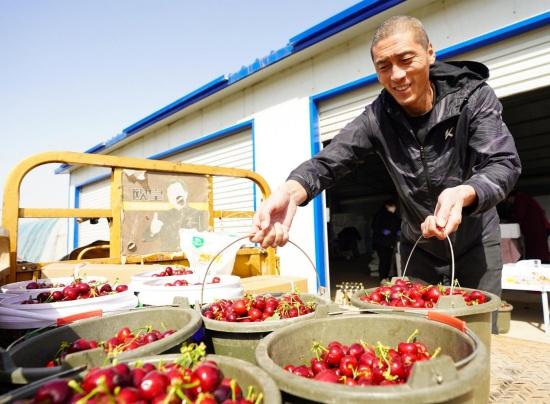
(386, 226)
(533, 223)
(438, 128)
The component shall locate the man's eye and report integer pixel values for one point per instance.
(382, 67)
(407, 60)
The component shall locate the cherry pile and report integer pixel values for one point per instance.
(43, 285)
(76, 290)
(403, 293)
(259, 308)
(360, 364)
(188, 380)
(46, 285)
(169, 271)
(183, 282)
(124, 340)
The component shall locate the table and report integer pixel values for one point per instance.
(529, 275)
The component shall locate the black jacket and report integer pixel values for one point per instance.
(466, 143)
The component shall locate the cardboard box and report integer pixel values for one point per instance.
(274, 284)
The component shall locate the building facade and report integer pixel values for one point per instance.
(283, 108)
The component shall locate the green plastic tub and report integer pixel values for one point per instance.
(477, 317)
(450, 378)
(504, 317)
(239, 340)
(245, 373)
(26, 359)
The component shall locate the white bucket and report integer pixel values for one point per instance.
(155, 293)
(21, 287)
(138, 280)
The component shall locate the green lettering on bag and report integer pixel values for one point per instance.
(198, 241)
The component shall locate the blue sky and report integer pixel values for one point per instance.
(75, 73)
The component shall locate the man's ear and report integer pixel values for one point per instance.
(431, 54)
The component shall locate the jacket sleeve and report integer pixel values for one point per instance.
(346, 151)
(497, 166)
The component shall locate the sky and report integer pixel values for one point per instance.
(74, 73)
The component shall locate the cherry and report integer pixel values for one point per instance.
(128, 395)
(121, 288)
(32, 285)
(210, 377)
(327, 376)
(54, 392)
(106, 288)
(153, 384)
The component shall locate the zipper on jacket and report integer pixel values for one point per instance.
(423, 159)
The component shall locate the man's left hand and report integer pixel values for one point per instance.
(448, 211)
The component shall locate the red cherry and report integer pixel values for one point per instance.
(153, 384)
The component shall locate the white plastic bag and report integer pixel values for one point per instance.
(200, 247)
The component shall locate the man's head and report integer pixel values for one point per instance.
(390, 205)
(177, 195)
(402, 55)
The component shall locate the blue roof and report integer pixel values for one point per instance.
(333, 25)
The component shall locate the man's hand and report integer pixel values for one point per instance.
(448, 211)
(271, 223)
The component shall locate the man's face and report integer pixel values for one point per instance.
(402, 66)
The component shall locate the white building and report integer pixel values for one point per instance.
(281, 109)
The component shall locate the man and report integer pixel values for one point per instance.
(438, 128)
(386, 225)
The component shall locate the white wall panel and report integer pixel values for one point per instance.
(234, 151)
(94, 196)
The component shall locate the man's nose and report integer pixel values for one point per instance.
(397, 73)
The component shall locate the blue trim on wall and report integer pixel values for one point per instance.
(76, 205)
(203, 140)
(254, 186)
(212, 87)
(500, 34)
(318, 222)
(340, 22)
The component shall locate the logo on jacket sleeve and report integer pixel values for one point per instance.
(449, 133)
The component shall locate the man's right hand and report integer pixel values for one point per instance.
(271, 223)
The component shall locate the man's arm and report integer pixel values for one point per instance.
(494, 174)
(498, 166)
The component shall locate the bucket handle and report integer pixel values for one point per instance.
(246, 237)
(452, 261)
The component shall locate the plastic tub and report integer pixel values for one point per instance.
(138, 279)
(239, 340)
(452, 377)
(504, 317)
(245, 374)
(31, 355)
(154, 292)
(477, 317)
(52, 311)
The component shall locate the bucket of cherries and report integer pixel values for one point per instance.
(189, 377)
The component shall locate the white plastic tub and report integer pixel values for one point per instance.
(155, 293)
(14, 315)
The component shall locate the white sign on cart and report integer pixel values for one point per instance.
(529, 275)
